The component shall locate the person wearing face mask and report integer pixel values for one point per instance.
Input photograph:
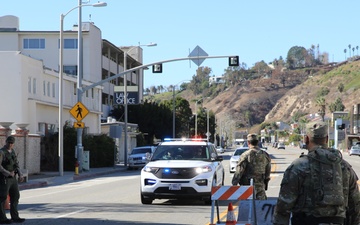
(9, 168)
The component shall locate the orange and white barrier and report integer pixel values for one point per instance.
(231, 193)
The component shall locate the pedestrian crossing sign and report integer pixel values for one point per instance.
(79, 111)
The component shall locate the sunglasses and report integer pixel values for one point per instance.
(10, 142)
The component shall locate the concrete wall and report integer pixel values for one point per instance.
(27, 147)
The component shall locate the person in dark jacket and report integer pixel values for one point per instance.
(9, 168)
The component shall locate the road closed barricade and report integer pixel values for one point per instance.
(233, 193)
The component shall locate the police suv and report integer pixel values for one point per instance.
(182, 168)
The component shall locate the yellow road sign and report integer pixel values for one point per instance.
(79, 111)
(79, 124)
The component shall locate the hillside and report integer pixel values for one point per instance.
(266, 100)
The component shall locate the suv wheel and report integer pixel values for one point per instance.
(146, 201)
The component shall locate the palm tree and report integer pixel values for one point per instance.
(353, 50)
(345, 53)
(357, 50)
(320, 101)
(349, 50)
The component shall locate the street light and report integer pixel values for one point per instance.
(125, 97)
(61, 48)
(174, 106)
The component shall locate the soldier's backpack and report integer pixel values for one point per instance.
(326, 176)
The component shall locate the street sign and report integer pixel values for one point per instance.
(79, 124)
(198, 52)
(79, 111)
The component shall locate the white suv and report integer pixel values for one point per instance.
(186, 168)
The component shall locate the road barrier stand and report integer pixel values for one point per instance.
(233, 193)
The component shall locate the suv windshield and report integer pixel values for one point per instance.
(141, 150)
(181, 152)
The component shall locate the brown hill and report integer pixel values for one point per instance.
(251, 103)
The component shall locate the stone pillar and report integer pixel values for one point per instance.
(21, 134)
(5, 131)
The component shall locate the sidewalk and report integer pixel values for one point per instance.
(53, 178)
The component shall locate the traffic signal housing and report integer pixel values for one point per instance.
(157, 68)
(234, 61)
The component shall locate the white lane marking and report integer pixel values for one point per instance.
(72, 213)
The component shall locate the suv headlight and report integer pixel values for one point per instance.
(204, 169)
(149, 169)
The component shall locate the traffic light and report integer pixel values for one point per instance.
(157, 68)
(234, 61)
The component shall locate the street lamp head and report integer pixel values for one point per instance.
(99, 4)
(151, 44)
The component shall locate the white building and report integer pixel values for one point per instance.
(29, 65)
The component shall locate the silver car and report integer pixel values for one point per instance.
(139, 156)
(355, 150)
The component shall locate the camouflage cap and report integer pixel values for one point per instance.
(317, 129)
(10, 139)
(252, 137)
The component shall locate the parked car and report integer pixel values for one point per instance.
(235, 158)
(139, 156)
(281, 145)
(220, 149)
(354, 150)
(181, 169)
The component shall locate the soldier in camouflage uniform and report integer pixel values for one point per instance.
(9, 167)
(253, 164)
(319, 188)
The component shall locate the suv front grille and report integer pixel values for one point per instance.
(176, 173)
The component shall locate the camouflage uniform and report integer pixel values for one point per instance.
(256, 164)
(8, 183)
(298, 198)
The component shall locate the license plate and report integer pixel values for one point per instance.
(175, 187)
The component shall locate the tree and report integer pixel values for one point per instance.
(341, 87)
(296, 57)
(320, 101)
(345, 53)
(349, 50)
(182, 114)
(337, 105)
(200, 81)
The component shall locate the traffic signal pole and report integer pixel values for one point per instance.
(233, 61)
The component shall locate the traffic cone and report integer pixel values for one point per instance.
(7, 203)
(230, 217)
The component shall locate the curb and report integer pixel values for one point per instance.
(48, 181)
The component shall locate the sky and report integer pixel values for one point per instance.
(254, 30)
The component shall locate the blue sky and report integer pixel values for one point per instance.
(254, 30)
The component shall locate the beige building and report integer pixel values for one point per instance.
(29, 72)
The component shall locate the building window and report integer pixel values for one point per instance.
(29, 84)
(34, 43)
(70, 70)
(48, 89)
(44, 87)
(70, 43)
(34, 86)
(53, 90)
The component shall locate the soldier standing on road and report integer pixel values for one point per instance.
(320, 187)
(253, 164)
(8, 183)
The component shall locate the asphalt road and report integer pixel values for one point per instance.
(115, 199)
